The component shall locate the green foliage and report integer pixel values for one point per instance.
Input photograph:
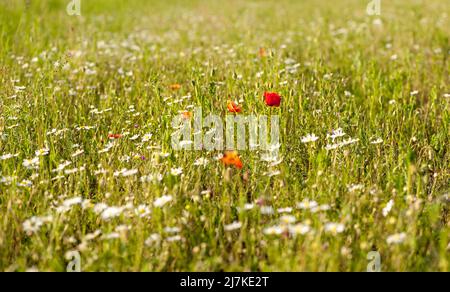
(383, 80)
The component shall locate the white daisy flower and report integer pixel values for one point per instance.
(334, 228)
(336, 134)
(307, 204)
(25, 183)
(300, 228)
(112, 235)
(8, 156)
(396, 238)
(31, 163)
(35, 223)
(176, 171)
(72, 201)
(74, 170)
(355, 187)
(324, 207)
(388, 208)
(309, 138)
(100, 207)
(201, 162)
(267, 210)
(159, 202)
(146, 137)
(42, 152)
(174, 238)
(246, 207)
(284, 210)
(78, 153)
(172, 229)
(142, 211)
(61, 166)
(152, 239)
(233, 226)
(275, 230)
(111, 212)
(376, 141)
(287, 219)
(125, 172)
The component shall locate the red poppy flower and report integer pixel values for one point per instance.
(272, 99)
(233, 107)
(114, 136)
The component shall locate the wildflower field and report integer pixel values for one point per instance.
(91, 180)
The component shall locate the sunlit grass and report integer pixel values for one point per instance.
(93, 97)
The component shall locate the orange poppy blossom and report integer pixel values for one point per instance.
(175, 86)
(262, 52)
(232, 158)
(233, 107)
(186, 115)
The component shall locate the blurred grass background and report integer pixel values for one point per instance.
(205, 46)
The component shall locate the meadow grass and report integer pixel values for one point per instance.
(94, 93)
